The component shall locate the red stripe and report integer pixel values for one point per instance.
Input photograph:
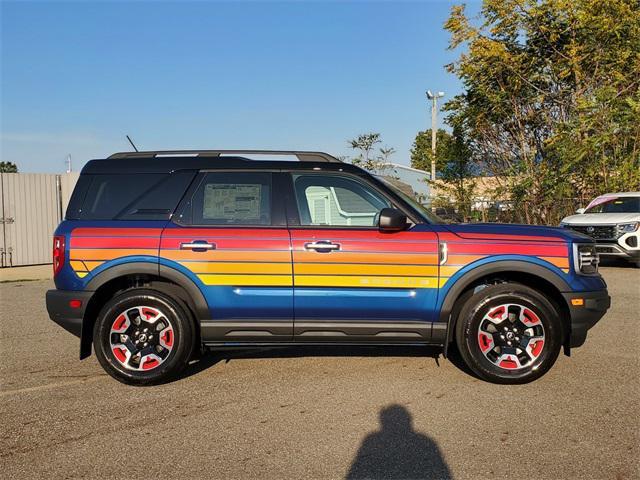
(518, 238)
(373, 247)
(225, 232)
(227, 243)
(116, 232)
(501, 249)
(115, 242)
(346, 234)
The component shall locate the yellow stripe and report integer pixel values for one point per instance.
(247, 280)
(238, 268)
(366, 282)
(82, 274)
(448, 271)
(364, 269)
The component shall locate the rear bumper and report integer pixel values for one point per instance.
(585, 316)
(61, 312)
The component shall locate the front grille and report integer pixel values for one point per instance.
(599, 232)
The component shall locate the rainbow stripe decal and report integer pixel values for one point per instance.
(264, 257)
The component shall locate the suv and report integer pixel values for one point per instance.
(163, 254)
(613, 220)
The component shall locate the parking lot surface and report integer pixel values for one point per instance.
(318, 412)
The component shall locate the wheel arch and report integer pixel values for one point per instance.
(139, 274)
(532, 275)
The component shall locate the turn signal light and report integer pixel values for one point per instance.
(577, 302)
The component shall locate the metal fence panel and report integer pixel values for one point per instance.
(31, 212)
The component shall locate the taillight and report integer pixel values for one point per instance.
(58, 253)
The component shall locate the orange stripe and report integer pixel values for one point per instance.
(228, 256)
(239, 268)
(463, 259)
(355, 257)
(560, 262)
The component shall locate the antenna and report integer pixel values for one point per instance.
(132, 144)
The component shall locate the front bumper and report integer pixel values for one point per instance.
(614, 249)
(583, 317)
(61, 311)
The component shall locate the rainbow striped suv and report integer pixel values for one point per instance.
(165, 254)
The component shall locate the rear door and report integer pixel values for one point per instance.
(230, 238)
(353, 282)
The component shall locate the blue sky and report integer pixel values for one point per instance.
(77, 77)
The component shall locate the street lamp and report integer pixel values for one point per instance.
(434, 122)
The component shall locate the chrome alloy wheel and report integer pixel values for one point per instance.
(141, 338)
(511, 336)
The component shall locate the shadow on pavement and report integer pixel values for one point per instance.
(211, 358)
(397, 451)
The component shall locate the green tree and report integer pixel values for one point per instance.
(454, 166)
(364, 144)
(367, 157)
(8, 167)
(551, 97)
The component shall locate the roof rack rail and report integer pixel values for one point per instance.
(302, 156)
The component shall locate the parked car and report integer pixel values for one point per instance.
(163, 254)
(613, 220)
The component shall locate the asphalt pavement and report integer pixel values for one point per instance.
(312, 413)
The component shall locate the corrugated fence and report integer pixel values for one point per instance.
(32, 205)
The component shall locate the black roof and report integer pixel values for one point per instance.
(169, 161)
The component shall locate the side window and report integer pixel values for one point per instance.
(336, 200)
(231, 198)
(109, 194)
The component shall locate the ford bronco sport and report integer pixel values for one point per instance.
(163, 254)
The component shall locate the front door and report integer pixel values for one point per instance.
(352, 282)
(230, 238)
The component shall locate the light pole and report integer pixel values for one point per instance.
(434, 128)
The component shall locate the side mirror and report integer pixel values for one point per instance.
(392, 220)
(580, 211)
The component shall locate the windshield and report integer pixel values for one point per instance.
(615, 205)
(427, 214)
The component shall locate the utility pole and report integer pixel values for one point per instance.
(434, 128)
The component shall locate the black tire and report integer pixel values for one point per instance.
(474, 314)
(170, 311)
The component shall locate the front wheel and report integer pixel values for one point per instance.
(509, 333)
(142, 337)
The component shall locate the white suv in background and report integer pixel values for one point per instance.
(613, 220)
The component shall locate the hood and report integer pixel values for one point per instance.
(535, 233)
(601, 218)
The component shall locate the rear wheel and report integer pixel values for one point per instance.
(509, 333)
(143, 337)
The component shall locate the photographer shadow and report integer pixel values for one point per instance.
(397, 451)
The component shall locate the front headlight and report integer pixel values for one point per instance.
(585, 258)
(627, 227)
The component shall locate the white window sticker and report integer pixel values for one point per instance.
(232, 201)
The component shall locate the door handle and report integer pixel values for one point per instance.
(198, 246)
(322, 246)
